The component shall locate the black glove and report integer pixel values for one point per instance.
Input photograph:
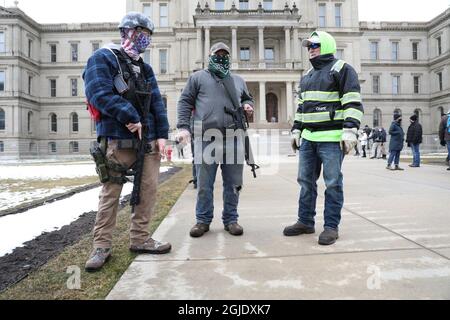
(443, 143)
(409, 145)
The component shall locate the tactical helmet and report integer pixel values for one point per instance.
(136, 19)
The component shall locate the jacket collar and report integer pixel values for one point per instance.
(321, 61)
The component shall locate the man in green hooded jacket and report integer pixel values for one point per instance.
(328, 117)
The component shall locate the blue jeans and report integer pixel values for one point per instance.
(416, 154)
(394, 156)
(232, 176)
(312, 156)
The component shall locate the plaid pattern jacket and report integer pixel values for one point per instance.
(116, 111)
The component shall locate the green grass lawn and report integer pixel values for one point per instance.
(50, 281)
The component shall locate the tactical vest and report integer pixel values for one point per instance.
(134, 75)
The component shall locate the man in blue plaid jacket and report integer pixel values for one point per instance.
(112, 76)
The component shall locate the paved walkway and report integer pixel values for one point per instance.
(395, 243)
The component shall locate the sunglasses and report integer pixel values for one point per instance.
(314, 46)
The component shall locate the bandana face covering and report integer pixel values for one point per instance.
(219, 65)
(137, 46)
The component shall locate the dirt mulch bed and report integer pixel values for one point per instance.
(37, 252)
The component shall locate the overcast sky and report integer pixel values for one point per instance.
(71, 11)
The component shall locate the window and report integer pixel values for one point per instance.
(74, 87)
(30, 84)
(30, 48)
(394, 51)
(53, 53)
(220, 4)
(2, 42)
(52, 88)
(163, 61)
(395, 84)
(147, 10)
(440, 84)
(53, 123)
(2, 119)
(374, 50)
(74, 120)
(147, 56)
(52, 147)
(340, 54)
(2, 146)
(32, 147)
(439, 45)
(415, 50)
(269, 54)
(74, 52)
(377, 118)
(338, 14)
(243, 5)
(376, 84)
(163, 15)
(2, 80)
(322, 14)
(74, 147)
(245, 54)
(30, 122)
(268, 5)
(416, 84)
(95, 46)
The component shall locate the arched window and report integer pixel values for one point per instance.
(418, 113)
(53, 122)
(32, 147)
(377, 118)
(2, 119)
(74, 122)
(74, 147)
(272, 108)
(30, 122)
(52, 147)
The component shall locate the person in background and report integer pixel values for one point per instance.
(414, 139)
(444, 134)
(363, 138)
(396, 144)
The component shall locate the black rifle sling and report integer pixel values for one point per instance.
(230, 88)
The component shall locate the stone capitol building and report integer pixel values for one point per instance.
(404, 67)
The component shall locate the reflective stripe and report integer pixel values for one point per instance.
(338, 66)
(321, 96)
(322, 136)
(299, 101)
(353, 113)
(299, 117)
(351, 97)
(322, 116)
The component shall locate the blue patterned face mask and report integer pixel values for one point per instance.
(142, 42)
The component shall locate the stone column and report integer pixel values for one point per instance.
(287, 36)
(262, 102)
(234, 48)
(207, 44)
(199, 62)
(262, 61)
(289, 102)
(297, 47)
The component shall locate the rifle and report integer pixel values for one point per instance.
(240, 120)
(143, 146)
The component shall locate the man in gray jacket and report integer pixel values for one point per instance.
(205, 98)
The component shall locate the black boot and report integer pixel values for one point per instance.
(298, 229)
(328, 237)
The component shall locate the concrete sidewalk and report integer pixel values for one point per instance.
(395, 242)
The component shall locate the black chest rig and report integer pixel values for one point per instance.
(132, 76)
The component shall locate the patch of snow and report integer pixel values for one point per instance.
(10, 199)
(47, 172)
